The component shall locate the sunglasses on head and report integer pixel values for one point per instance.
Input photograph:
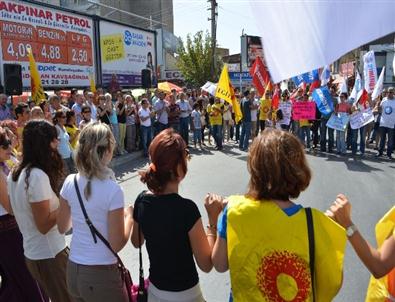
(6, 144)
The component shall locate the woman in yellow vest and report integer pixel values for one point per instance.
(380, 262)
(263, 236)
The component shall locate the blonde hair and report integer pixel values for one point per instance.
(95, 140)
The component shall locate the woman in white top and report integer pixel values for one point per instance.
(64, 146)
(17, 282)
(92, 273)
(33, 187)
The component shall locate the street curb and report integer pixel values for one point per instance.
(124, 159)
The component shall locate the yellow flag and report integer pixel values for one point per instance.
(92, 83)
(35, 79)
(382, 290)
(226, 92)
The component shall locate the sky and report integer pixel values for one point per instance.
(190, 16)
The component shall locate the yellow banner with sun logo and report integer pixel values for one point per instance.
(268, 253)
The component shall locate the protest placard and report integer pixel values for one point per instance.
(338, 121)
(303, 111)
(361, 118)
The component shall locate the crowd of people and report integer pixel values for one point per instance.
(55, 177)
(135, 121)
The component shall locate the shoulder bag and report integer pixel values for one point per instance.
(310, 232)
(133, 291)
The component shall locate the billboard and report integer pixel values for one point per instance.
(125, 51)
(251, 47)
(62, 43)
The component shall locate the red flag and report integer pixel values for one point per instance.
(276, 97)
(314, 85)
(362, 98)
(260, 76)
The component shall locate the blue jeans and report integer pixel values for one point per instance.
(245, 135)
(341, 141)
(217, 134)
(304, 135)
(354, 140)
(237, 131)
(384, 131)
(146, 137)
(331, 136)
(184, 128)
(197, 136)
(159, 127)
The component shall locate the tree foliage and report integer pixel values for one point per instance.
(195, 58)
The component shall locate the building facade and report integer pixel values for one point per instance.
(157, 13)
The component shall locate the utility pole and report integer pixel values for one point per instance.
(213, 19)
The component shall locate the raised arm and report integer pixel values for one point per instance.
(202, 243)
(378, 262)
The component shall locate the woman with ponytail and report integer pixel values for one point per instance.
(172, 225)
(92, 272)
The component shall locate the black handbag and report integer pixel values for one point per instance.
(310, 233)
(125, 274)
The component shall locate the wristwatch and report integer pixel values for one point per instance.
(351, 230)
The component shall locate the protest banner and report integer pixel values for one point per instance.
(361, 118)
(61, 43)
(308, 77)
(322, 97)
(369, 71)
(338, 121)
(260, 76)
(303, 111)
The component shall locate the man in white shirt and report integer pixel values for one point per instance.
(89, 102)
(77, 107)
(387, 123)
(161, 108)
(186, 110)
(55, 105)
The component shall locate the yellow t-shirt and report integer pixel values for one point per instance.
(208, 112)
(216, 115)
(303, 123)
(71, 130)
(264, 109)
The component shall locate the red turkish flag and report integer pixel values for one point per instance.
(363, 98)
(314, 85)
(260, 76)
(276, 98)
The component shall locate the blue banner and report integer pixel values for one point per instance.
(308, 77)
(322, 97)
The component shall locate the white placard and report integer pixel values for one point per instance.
(361, 118)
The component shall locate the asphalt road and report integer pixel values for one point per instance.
(367, 182)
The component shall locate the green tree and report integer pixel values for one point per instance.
(195, 59)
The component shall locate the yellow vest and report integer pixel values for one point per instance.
(379, 290)
(268, 253)
(264, 108)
